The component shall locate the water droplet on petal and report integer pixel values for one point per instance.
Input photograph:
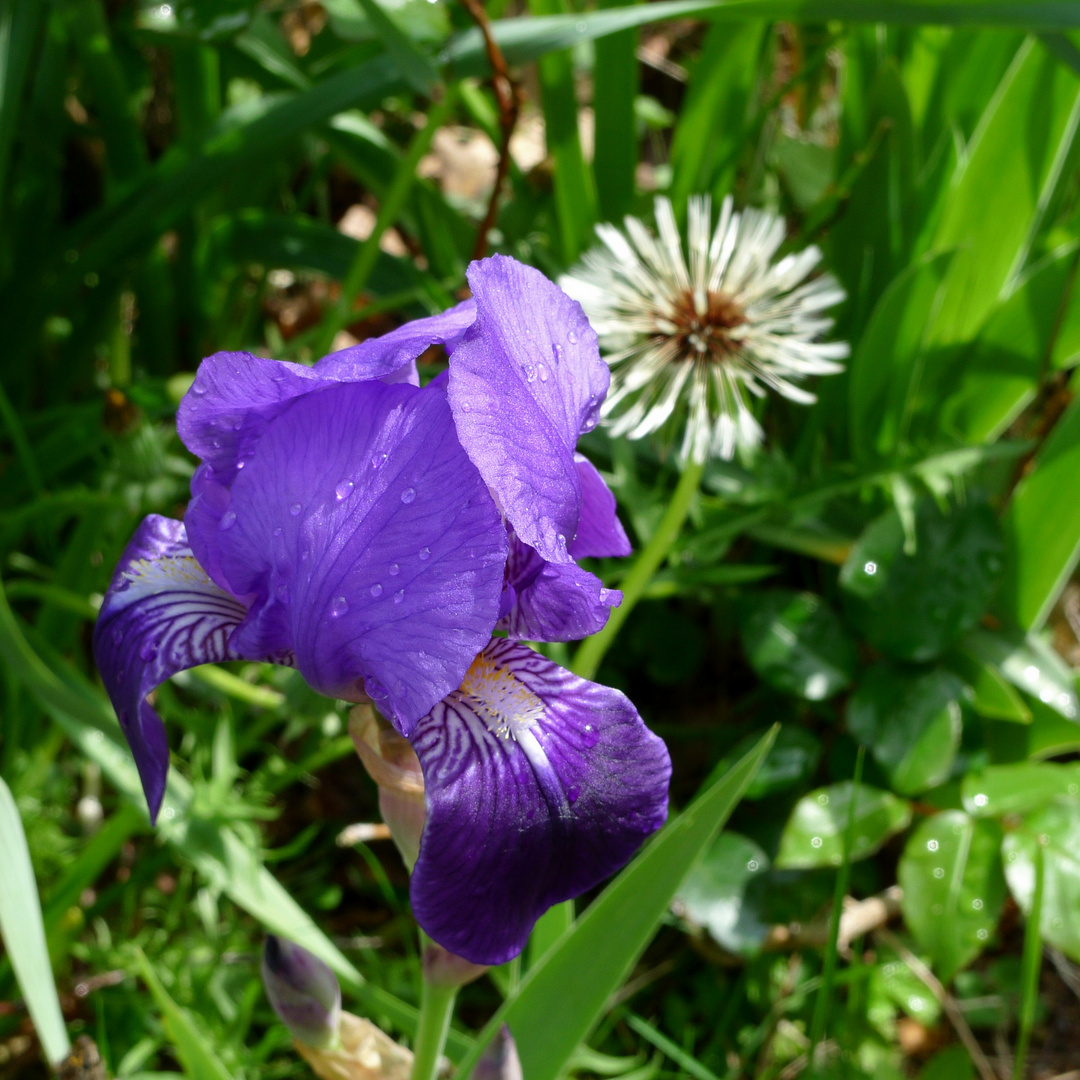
(425, 554)
(278, 530)
(394, 569)
(343, 490)
(339, 607)
(530, 372)
(295, 509)
(572, 337)
(399, 596)
(408, 496)
(465, 406)
(543, 373)
(556, 352)
(228, 520)
(376, 589)
(198, 389)
(375, 689)
(377, 460)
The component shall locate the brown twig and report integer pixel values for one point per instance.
(508, 96)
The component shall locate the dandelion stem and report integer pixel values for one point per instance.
(593, 649)
(436, 1010)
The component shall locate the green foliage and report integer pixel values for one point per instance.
(892, 572)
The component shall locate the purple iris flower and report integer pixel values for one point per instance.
(373, 534)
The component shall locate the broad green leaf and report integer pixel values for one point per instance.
(888, 358)
(1030, 664)
(1042, 526)
(23, 934)
(185, 1035)
(791, 760)
(795, 642)
(814, 834)
(1048, 735)
(1019, 788)
(1001, 370)
(953, 888)
(914, 606)
(997, 200)
(1056, 829)
(712, 894)
(910, 722)
(894, 981)
(992, 695)
(562, 997)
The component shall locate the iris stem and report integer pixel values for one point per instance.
(436, 1010)
(592, 651)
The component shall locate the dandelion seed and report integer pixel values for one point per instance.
(688, 342)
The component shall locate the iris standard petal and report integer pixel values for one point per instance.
(161, 615)
(365, 540)
(395, 353)
(525, 382)
(553, 601)
(539, 784)
(600, 533)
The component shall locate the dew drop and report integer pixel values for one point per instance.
(394, 569)
(375, 689)
(339, 607)
(424, 554)
(543, 373)
(228, 520)
(572, 337)
(815, 841)
(215, 443)
(294, 509)
(198, 389)
(530, 372)
(939, 872)
(343, 490)
(377, 460)
(465, 406)
(376, 589)
(556, 352)
(982, 933)
(408, 496)
(931, 845)
(977, 904)
(278, 530)
(399, 596)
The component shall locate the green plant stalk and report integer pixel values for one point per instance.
(1031, 964)
(436, 1010)
(592, 651)
(823, 1003)
(389, 211)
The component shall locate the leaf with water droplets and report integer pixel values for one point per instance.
(713, 894)
(1056, 829)
(910, 722)
(814, 833)
(795, 642)
(912, 604)
(1018, 788)
(953, 888)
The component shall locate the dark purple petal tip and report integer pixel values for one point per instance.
(161, 615)
(539, 784)
(303, 991)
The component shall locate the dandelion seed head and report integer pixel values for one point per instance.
(692, 333)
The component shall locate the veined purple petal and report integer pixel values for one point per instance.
(365, 541)
(525, 382)
(398, 350)
(234, 395)
(600, 533)
(553, 601)
(161, 615)
(539, 785)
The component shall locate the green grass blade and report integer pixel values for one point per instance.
(563, 995)
(191, 1047)
(413, 63)
(1042, 527)
(615, 86)
(24, 934)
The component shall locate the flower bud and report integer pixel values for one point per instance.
(392, 763)
(500, 1060)
(303, 992)
(443, 968)
(363, 1053)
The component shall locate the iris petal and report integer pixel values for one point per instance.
(539, 785)
(600, 533)
(525, 382)
(161, 615)
(365, 540)
(553, 601)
